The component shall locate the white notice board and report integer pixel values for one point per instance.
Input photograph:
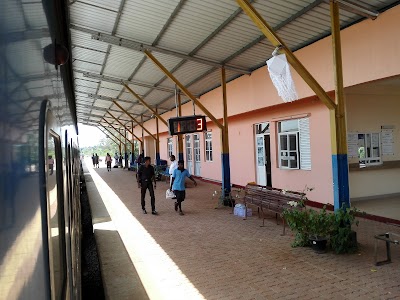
(387, 142)
(352, 144)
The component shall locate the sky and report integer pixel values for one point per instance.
(89, 135)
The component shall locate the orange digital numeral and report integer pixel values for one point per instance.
(199, 124)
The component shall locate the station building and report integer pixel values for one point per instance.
(288, 145)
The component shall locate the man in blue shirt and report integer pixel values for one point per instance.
(178, 185)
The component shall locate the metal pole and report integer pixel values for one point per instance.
(157, 143)
(226, 174)
(180, 136)
(341, 172)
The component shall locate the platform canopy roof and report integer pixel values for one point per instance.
(191, 38)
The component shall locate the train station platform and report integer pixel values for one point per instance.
(209, 253)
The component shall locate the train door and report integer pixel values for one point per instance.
(263, 154)
(197, 164)
(189, 153)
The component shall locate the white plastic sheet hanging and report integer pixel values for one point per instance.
(279, 71)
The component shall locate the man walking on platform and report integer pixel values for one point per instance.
(145, 176)
(178, 185)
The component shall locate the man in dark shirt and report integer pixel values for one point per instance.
(145, 176)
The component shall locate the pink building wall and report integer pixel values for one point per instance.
(253, 99)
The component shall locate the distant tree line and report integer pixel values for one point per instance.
(107, 146)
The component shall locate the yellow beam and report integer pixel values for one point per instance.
(182, 88)
(111, 133)
(116, 131)
(136, 121)
(145, 104)
(107, 135)
(292, 59)
(131, 132)
(341, 134)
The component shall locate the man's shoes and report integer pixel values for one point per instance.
(144, 211)
(176, 206)
(154, 212)
(173, 198)
(181, 213)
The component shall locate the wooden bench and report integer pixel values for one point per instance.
(271, 199)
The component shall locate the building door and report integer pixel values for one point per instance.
(197, 165)
(189, 153)
(263, 154)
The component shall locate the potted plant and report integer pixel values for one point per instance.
(310, 226)
(342, 238)
(320, 227)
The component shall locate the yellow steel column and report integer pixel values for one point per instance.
(226, 175)
(157, 142)
(141, 124)
(180, 136)
(340, 164)
(134, 142)
(126, 151)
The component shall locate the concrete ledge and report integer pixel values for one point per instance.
(120, 279)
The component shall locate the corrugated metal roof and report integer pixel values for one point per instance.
(122, 62)
(143, 20)
(217, 31)
(92, 16)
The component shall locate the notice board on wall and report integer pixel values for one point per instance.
(387, 140)
(352, 145)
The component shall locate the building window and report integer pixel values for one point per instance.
(208, 147)
(169, 146)
(369, 151)
(294, 144)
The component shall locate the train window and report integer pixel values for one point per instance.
(56, 223)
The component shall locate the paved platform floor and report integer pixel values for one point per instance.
(210, 254)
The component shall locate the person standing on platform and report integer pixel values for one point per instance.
(172, 168)
(96, 160)
(108, 162)
(120, 160)
(145, 176)
(178, 185)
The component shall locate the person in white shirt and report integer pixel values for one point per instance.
(172, 167)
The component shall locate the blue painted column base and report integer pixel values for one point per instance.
(226, 176)
(340, 170)
(180, 156)
(157, 159)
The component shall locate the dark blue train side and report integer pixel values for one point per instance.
(39, 156)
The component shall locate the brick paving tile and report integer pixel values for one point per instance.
(226, 257)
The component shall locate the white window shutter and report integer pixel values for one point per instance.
(305, 148)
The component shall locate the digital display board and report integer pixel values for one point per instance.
(189, 124)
